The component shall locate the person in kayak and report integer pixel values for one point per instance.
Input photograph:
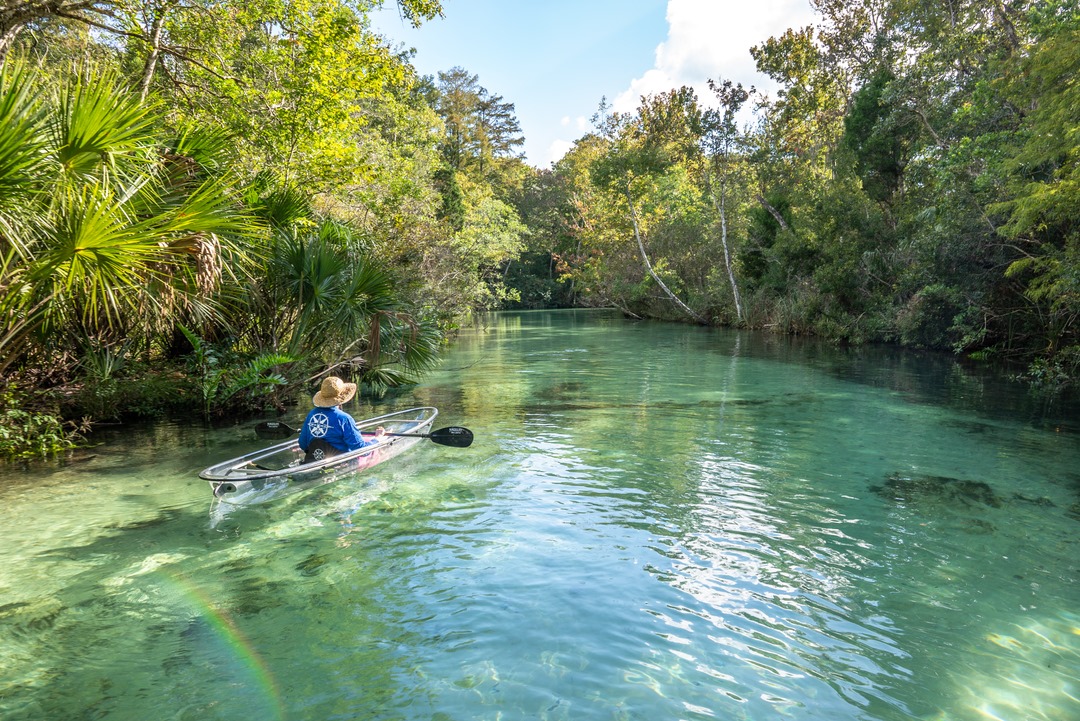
(328, 430)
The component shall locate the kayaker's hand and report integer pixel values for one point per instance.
(380, 432)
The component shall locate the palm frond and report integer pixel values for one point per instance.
(284, 208)
(206, 146)
(208, 208)
(96, 254)
(98, 123)
(22, 146)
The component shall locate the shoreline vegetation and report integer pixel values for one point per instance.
(203, 212)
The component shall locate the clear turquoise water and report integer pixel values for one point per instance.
(655, 522)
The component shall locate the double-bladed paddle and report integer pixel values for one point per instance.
(450, 436)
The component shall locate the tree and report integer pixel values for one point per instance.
(642, 148)
(324, 299)
(491, 238)
(878, 139)
(480, 126)
(146, 22)
(543, 203)
(725, 149)
(498, 130)
(1043, 174)
(111, 227)
(16, 15)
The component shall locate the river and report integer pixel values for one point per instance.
(654, 522)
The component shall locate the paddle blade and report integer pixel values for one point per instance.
(452, 436)
(274, 429)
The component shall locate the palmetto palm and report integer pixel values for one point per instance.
(105, 226)
(336, 305)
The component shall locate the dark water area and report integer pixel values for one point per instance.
(654, 522)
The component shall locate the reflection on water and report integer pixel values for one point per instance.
(654, 522)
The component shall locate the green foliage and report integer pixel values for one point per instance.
(928, 319)
(773, 253)
(27, 432)
(491, 237)
(141, 392)
(22, 142)
(544, 204)
(417, 11)
(452, 209)
(480, 126)
(283, 207)
(1055, 373)
(260, 173)
(326, 301)
(912, 180)
(227, 384)
(106, 231)
(532, 279)
(877, 138)
(32, 435)
(405, 348)
(1043, 175)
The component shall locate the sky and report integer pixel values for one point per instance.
(556, 59)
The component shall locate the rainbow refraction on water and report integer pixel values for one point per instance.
(653, 522)
(254, 672)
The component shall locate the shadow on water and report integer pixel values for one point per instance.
(927, 377)
(920, 377)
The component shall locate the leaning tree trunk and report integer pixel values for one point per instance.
(10, 25)
(773, 212)
(648, 266)
(15, 15)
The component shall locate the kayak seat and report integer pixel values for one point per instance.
(319, 449)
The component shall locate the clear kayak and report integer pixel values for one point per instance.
(280, 470)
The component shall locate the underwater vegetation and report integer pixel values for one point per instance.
(938, 489)
(943, 492)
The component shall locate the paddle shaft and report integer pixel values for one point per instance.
(450, 436)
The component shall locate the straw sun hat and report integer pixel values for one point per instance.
(334, 392)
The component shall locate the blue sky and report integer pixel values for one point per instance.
(555, 59)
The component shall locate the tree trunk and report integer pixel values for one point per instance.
(773, 212)
(9, 29)
(648, 266)
(6, 38)
(152, 57)
(1001, 14)
(930, 128)
(721, 211)
(16, 15)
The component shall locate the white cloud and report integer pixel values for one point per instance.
(580, 123)
(560, 147)
(710, 39)
(555, 151)
(707, 39)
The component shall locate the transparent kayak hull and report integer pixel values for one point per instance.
(280, 470)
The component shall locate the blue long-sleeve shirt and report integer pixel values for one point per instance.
(333, 425)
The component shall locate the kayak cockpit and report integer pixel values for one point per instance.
(280, 469)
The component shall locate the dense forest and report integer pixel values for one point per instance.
(205, 206)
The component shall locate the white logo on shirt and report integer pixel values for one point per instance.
(319, 425)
